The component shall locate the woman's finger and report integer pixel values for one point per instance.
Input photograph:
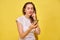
(35, 25)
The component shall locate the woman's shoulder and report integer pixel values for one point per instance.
(20, 18)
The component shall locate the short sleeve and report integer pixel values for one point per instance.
(19, 19)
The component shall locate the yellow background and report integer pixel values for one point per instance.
(48, 12)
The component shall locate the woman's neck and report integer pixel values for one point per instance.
(28, 17)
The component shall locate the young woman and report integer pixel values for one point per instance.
(27, 24)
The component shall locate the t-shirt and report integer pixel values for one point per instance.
(26, 24)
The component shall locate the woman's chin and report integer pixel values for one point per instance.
(29, 14)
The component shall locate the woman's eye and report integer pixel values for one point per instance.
(28, 8)
(31, 8)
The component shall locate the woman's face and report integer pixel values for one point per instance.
(29, 9)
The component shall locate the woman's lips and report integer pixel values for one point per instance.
(30, 12)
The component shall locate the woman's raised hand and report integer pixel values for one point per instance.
(34, 16)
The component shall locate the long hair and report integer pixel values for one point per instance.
(31, 18)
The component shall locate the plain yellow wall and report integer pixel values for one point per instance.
(48, 12)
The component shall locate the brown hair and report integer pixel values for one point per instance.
(33, 9)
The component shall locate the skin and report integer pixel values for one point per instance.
(29, 11)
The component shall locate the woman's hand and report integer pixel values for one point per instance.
(34, 25)
(37, 30)
(34, 16)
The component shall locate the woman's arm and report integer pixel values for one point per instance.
(20, 30)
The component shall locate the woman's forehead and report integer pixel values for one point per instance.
(29, 5)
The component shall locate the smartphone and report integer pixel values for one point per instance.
(36, 22)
